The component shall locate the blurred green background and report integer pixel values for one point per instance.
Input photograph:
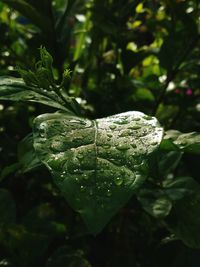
(123, 55)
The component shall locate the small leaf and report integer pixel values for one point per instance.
(184, 220)
(139, 8)
(168, 161)
(7, 207)
(186, 142)
(8, 170)
(31, 13)
(27, 157)
(63, 257)
(97, 164)
(179, 187)
(155, 202)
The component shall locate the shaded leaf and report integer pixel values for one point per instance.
(167, 162)
(64, 256)
(26, 247)
(186, 142)
(155, 202)
(42, 219)
(178, 187)
(29, 11)
(14, 89)
(27, 157)
(9, 170)
(7, 207)
(184, 221)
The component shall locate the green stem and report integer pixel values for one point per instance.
(172, 74)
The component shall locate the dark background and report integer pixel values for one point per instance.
(124, 55)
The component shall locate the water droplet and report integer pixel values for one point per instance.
(135, 127)
(78, 121)
(147, 118)
(57, 146)
(42, 129)
(85, 176)
(82, 188)
(121, 122)
(106, 146)
(118, 181)
(125, 133)
(108, 193)
(153, 143)
(133, 145)
(136, 119)
(80, 156)
(123, 147)
(109, 135)
(112, 127)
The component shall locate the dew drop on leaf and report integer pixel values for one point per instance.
(118, 181)
(135, 127)
(82, 188)
(123, 147)
(112, 127)
(109, 193)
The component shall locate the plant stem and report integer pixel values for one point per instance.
(172, 74)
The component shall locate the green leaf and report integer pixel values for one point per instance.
(168, 161)
(43, 22)
(15, 89)
(179, 187)
(63, 257)
(186, 223)
(42, 219)
(183, 220)
(186, 142)
(82, 38)
(27, 157)
(27, 247)
(8, 170)
(7, 207)
(144, 94)
(97, 164)
(155, 202)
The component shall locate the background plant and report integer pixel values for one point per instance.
(123, 56)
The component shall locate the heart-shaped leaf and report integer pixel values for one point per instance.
(97, 164)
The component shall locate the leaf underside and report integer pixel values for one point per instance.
(97, 164)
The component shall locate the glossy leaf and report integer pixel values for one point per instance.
(14, 89)
(187, 142)
(97, 164)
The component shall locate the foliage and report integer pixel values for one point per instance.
(117, 171)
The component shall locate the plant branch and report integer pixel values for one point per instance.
(172, 74)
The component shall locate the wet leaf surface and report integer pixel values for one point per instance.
(97, 164)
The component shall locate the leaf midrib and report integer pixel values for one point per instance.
(96, 162)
